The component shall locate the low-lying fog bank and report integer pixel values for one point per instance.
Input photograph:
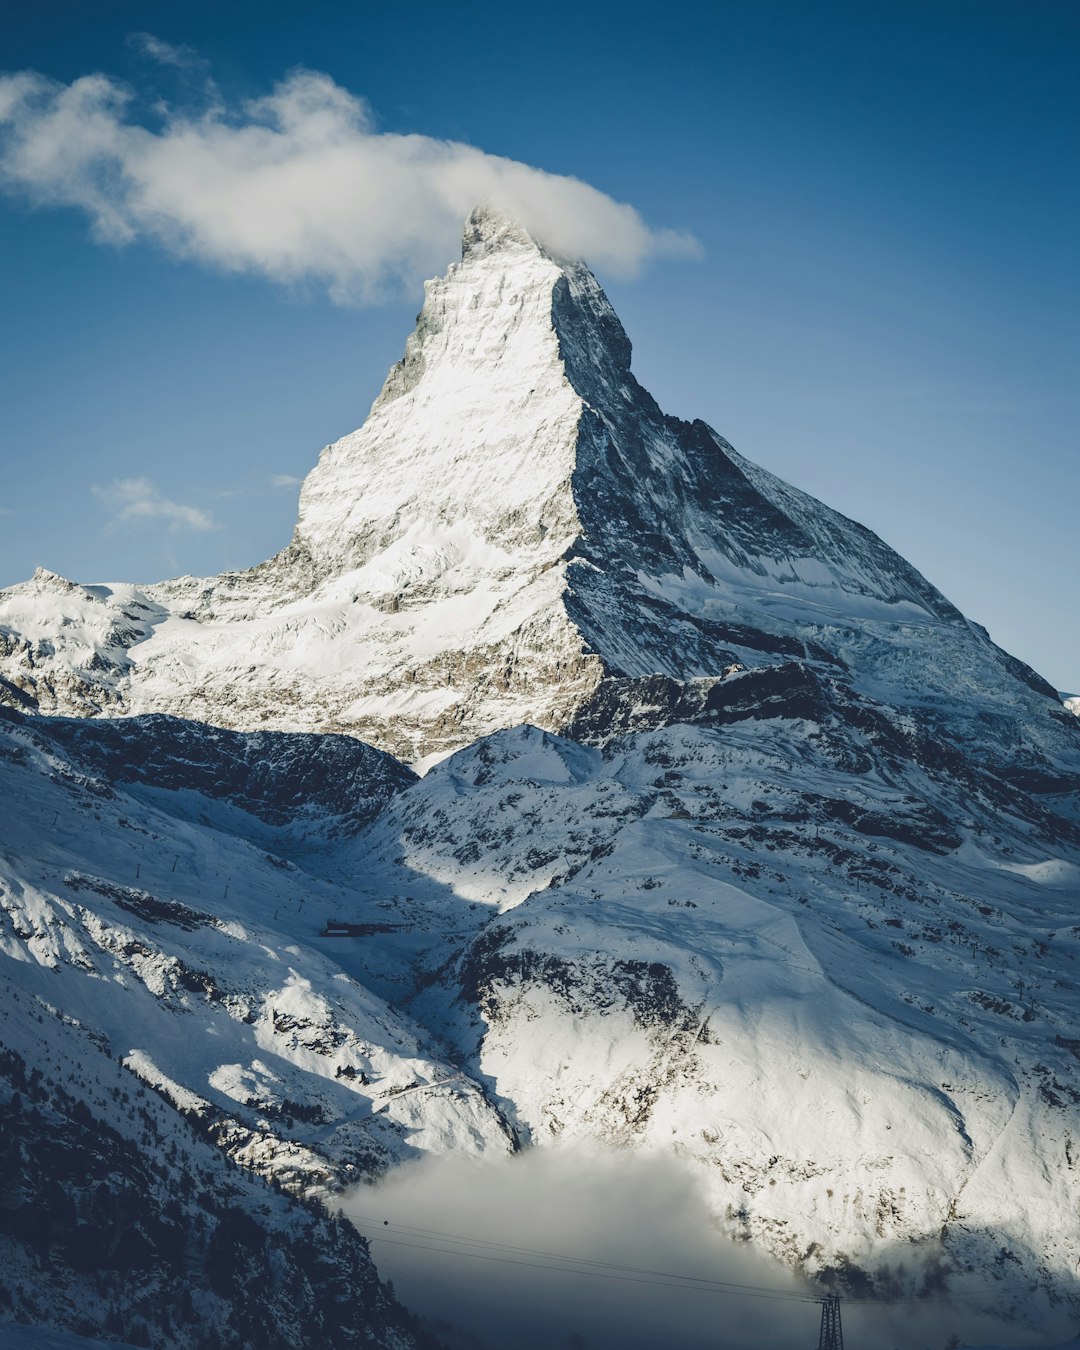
(596, 1250)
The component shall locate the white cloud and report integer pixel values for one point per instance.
(165, 53)
(140, 499)
(284, 480)
(296, 186)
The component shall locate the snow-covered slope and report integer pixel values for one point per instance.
(1072, 702)
(515, 523)
(177, 926)
(772, 944)
(793, 893)
(842, 981)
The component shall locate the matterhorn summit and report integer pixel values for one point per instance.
(515, 527)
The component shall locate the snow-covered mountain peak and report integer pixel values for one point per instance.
(466, 465)
(490, 230)
(44, 582)
(516, 524)
(474, 431)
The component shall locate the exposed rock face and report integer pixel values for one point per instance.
(331, 784)
(515, 523)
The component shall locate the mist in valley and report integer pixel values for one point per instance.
(594, 1249)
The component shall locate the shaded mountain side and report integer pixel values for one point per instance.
(166, 924)
(329, 783)
(117, 1220)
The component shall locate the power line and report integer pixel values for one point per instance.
(426, 1233)
(422, 1239)
(675, 1282)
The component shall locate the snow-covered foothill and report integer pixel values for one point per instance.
(194, 951)
(734, 942)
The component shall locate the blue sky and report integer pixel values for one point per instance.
(882, 309)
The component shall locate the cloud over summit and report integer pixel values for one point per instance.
(298, 186)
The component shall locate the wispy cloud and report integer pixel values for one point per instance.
(296, 186)
(140, 499)
(165, 53)
(284, 480)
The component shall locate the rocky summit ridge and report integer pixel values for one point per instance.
(515, 526)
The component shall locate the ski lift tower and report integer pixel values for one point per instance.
(832, 1335)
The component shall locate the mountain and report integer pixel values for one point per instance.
(737, 840)
(515, 526)
(775, 948)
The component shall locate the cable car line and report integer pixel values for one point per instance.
(422, 1240)
(428, 1233)
(704, 1287)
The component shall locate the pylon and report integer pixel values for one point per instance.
(832, 1335)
